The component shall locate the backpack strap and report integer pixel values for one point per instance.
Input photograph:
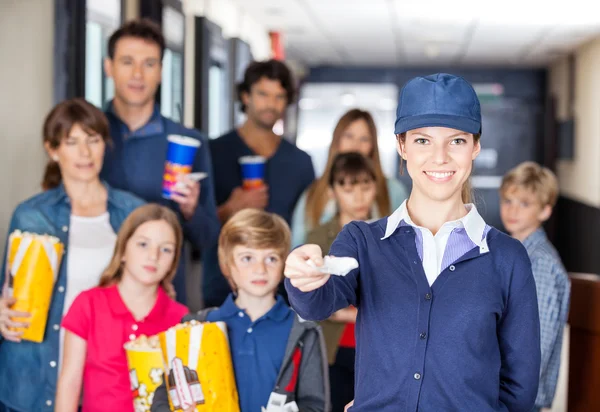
(200, 316)
(296, 360)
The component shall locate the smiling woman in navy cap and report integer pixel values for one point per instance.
(447, 307)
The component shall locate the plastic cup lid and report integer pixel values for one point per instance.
(251, 159)
(183, 140)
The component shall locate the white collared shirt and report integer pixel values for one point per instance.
(434, 246)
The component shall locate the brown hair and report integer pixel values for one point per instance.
(534, 177)
(353, 166)
(272, 70)
(138, 217)
(467, 189)
(59, 123)
(255, 229)
(144, 29)
(317, 198)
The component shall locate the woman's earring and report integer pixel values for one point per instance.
(55, 158)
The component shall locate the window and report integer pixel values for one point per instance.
(322, 104)
(216, 95)
(103, 17)
(171, 93)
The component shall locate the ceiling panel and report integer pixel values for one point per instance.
(314, 49)
(404, 32)
(425, 31)
(495, 43)
(277, 14)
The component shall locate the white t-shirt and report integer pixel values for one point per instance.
(91, 245)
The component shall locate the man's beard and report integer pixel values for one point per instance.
(267, 125)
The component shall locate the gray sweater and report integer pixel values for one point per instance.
(312, 389)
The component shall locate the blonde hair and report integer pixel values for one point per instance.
(467, 189)
(534, 177)
(255, 229)
(138, 217)
(317, 198)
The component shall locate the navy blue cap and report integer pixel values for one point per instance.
(441, 100)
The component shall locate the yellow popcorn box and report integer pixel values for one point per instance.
(198, 367)
(146, 369)
(32, 269)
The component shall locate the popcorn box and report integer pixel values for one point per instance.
(198, 367)
(32, 269)
(146, 369)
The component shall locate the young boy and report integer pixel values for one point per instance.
(352, 185)
(528, 194)
(277, 358)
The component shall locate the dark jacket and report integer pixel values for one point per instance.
(312, 390)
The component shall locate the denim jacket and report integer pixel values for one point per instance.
(28, 370)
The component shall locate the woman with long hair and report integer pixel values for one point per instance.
(131, 300)
(354, 132)
(85, 214)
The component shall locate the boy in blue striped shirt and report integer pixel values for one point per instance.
(528, 194)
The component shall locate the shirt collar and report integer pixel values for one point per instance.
(472, 222)
(154, 125)
(535, 238)
(59, 194)
(278, 312)
(117, 306)
(229, 308)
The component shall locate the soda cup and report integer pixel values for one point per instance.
(180, 158)
(253, 172)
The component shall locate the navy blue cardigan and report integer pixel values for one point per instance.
(470, 342)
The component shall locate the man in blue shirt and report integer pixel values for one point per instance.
(136, 160)
(266, 91)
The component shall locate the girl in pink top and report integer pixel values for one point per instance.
(134, 298)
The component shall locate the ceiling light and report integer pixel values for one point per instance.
(273, 11)
(432, 50)
(348, 99)
(387, 104)
(307, 103)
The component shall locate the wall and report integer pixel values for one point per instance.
(578, 209)
(131, 9)
(580, 177)
(26, 81)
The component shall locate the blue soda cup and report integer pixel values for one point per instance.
(181, 152)
(253, 172)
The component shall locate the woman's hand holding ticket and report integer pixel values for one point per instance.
(302, 274)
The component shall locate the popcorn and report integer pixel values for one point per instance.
(198, 367)
(146, 370)
(33, 261)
